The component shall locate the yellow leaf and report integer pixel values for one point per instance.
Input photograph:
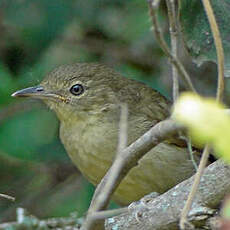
(206, 121)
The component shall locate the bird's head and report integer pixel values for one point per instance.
(80, 89)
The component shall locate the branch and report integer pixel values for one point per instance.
(193, 190)
(104, 192)
(219, 48)
(173, 28)
(31, 223)
(153, 6)
(159, 213)
(7, 197)
(164, 211)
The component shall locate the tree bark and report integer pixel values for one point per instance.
(164, 211)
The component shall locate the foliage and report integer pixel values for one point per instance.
(197, 33)
(206, 120)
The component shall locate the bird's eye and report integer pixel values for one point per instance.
(77, 89)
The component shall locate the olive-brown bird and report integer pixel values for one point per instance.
(86, 98)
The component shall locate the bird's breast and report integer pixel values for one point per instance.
(91, 145)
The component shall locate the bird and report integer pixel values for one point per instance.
(86, 98)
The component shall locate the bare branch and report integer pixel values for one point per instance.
(189, 147)
(108, 213)
(31, 222)
(173, 28)
(164, 211)
(153, 6)
(219, 48)
(7, 197)
(194, 188)
(105, 192)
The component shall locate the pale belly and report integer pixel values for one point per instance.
(159, 170)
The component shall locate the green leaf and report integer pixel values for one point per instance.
(197, 33)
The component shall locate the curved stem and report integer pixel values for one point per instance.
(219, 97)
(219, 48)
(153, 6)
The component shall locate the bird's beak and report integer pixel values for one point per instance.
(38, 92)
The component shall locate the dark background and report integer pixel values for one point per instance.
(35, 37)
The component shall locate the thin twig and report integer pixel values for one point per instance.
(153, 7)
(108, 213)
(219, 49)
(219, 96)
(28, 221)
(7, 197)
(189, 146)
(173, 28)
(188, 204)
(104, 193)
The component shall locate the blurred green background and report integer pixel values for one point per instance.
(35, 37)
